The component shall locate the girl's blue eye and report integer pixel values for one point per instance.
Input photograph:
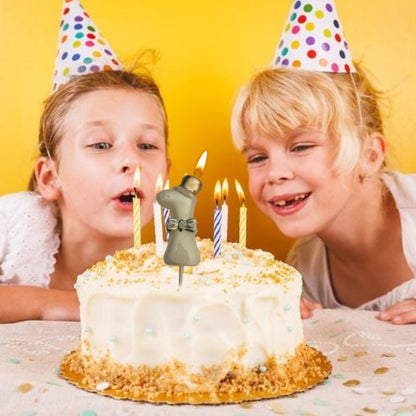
(257, 159)
(301, 147)
(100, 146)
(146, 146)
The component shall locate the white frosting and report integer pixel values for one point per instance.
(241, 307)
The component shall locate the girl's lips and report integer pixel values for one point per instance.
(289, 204)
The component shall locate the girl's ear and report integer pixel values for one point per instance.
(47, 179)
(373, 154)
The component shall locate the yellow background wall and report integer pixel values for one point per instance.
(207, 50)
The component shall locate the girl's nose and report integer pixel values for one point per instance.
(279, 172)
(129, 159)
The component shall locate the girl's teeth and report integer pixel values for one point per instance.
(290, 201)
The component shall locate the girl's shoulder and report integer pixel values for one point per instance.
(29, 238)
(26, 201)
(402, 186)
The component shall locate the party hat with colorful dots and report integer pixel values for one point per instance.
(81, 47)
(313, 39)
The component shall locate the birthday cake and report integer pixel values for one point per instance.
(232, 332)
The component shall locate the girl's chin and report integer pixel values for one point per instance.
(294, 231)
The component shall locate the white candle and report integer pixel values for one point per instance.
(157, 219)
(224, 211)
(136, 210)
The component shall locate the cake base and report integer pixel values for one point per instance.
(304, 370)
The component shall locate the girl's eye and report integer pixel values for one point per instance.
(146, 146)
(256, 159)
(301, 148)
(100, 146)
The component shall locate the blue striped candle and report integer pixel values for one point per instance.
(166, 212)
(217, 220)
(217, 231)
(165, 219)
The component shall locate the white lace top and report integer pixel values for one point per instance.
(308, 254)
(29, 239)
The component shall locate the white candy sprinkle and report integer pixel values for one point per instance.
(262, 369)
(360, 390)
(397, 399)
(104, 385)
(408, 391)
(108, 258)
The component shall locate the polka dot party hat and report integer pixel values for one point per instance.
(313, 39)
(81, 47)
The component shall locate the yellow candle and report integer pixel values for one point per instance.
(242, 238)
(243, 226)
(136, 210)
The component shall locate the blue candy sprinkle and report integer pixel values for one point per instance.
(13, 360)
(108, 258)
(246, 320)
(339, 376)
(148, 330)
(53, 383)
(287, 307)
(262, 369)
(87, 412)
(289, 329)
(320, 402)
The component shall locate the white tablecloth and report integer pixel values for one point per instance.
(374, 372)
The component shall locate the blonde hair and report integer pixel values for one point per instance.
(58, 104)
(343, 106)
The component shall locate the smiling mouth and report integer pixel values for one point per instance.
(284, 203)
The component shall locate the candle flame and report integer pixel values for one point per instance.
(136, 179)
(240, 192)
(199, 168)
(159, 183)
(224, 188)
(217, 192)
(167, 184)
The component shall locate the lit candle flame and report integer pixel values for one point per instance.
(159, 183)
(240, 192)
(167, 184)
(136, 179)
(199, 168)
(217, 192)
(224, 189)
